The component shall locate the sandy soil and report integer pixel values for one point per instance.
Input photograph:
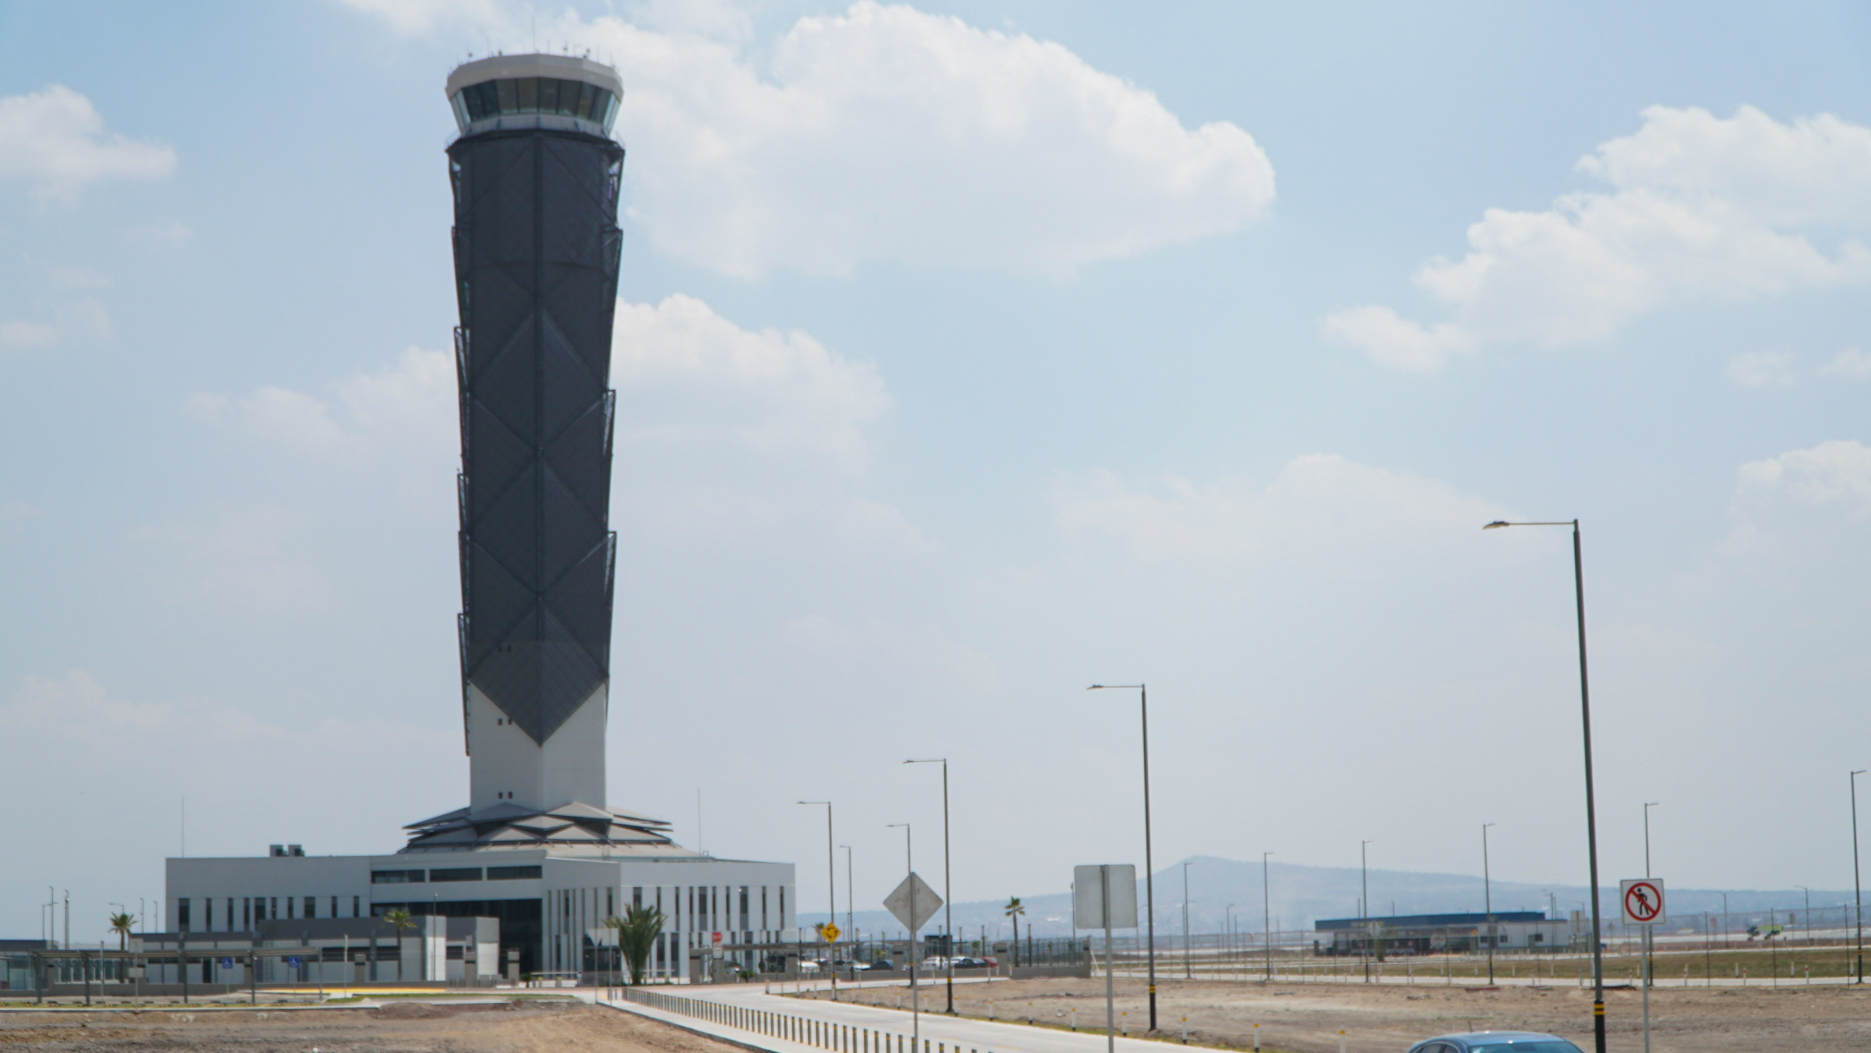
(514, 1027)
(1306, 1018)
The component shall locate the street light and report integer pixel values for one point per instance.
(909, 867)
(1266, 915)
(1857, 887)
(1364, 907)
(1808, 926)
(1149, 876)
(1591, 810)
(831, 889)
(1649, 944)
(948, 897)
(1487, 898)
(850, 925)
(1187, 972)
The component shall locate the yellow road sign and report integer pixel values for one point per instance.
(830, 932)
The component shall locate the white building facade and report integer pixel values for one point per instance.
(550, 905)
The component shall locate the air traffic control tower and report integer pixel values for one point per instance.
(535, 176)
(538, 848)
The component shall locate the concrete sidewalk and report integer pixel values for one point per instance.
(950, 1034)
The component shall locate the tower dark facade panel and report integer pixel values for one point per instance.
(536, 255)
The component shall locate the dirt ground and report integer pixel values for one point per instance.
(1306, 1018)
(514, 1027)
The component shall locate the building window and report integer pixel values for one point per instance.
(396, 877)
(246, 913)
(230, 914)
(744, 911)
(636, 896)
(783, 907)
(512, 873)
(311, 907)
(356, 906)
(181, 914)
(334, 906)
(207, 915)
(272, 906)
(455, 874)
(763, 908)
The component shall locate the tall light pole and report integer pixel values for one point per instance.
(909, 867)
(1591, 808)
(948, 896)
(1857, 886)
(1649, 946)
(851, 927)
(1149, 875)
(1364, 906)
(1808, 925)
(831, 889)
(1487, 898)
(1266, 915)
(1187, 970)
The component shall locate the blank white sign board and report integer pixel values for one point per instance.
(1092, 884)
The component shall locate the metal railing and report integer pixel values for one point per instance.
(820, 1034)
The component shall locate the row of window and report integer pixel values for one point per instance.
(250, 910)
(548, 95)
(417, 877)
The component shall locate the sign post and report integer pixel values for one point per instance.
(1104, 896)
(913, 903)
(1642, 902)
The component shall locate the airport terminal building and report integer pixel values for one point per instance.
(535, 179)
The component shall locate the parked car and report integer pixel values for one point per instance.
(881, 965)
(1495, 1042)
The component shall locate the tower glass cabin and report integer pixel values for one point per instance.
(535, 176)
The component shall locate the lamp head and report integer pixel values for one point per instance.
(1497, 524)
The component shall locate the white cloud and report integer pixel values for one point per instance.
(1396, 341)
(64, 308)
(78, 706)
(423, 17)
(741, 432)
(250, 560)
(1319, 502)
(1699, 207)
(694, 376)
(17, 333)
(54, 140)
(1851, 362)
(889, 134)
(407, 406)
(1762, 369)
(1833, 476)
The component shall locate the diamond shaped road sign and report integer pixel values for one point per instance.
(913, 903)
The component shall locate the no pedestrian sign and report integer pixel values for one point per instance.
(1643, 901)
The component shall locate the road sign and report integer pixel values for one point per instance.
(1643, 901)
(715, 937)
(294, 961)
(913, 903)
(830, 932)
(1091, 885)
(227, 963)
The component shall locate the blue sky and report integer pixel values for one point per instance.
(968, 354)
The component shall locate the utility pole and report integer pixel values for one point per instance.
(1487, 898)
(1857, 886)
(1364, 907)
(1188, 972)
(1266, 915)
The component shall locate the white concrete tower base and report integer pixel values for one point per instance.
(505, 765)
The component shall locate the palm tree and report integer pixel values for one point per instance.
(1014, 910)
(399, 920)
(121, 924)
(636, 935)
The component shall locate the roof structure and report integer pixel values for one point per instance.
(573, 827)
